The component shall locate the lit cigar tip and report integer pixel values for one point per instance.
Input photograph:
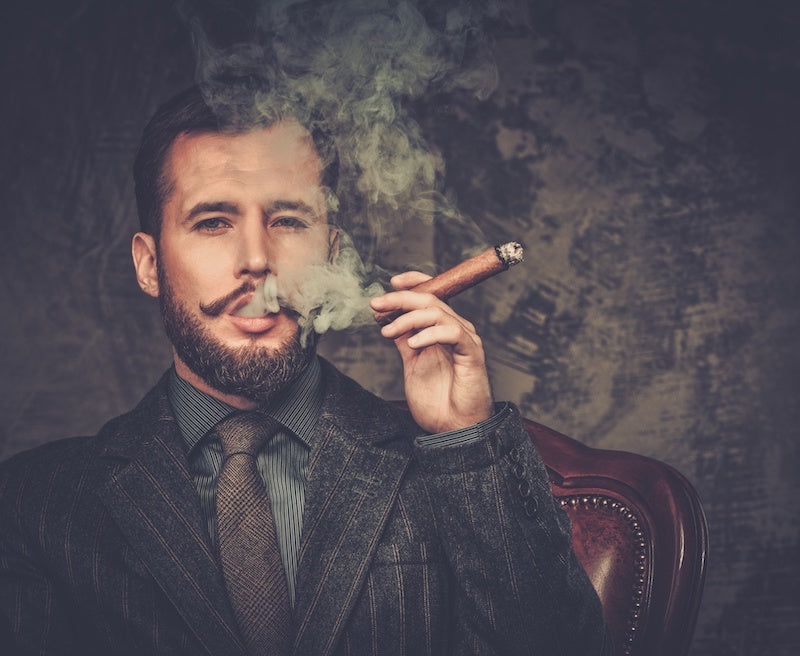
(510, 253)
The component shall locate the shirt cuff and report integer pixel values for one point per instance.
(467, 435)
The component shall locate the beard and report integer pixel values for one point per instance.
(253, 372)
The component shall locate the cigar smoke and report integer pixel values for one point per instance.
(328, 296)
(350, 68)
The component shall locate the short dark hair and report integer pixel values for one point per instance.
(189, 113)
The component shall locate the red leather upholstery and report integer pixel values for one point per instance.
(640, 533)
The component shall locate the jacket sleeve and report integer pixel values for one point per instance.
(519, 586)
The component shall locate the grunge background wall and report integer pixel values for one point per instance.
(646, 151)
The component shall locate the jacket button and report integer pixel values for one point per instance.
(531, 506)
(524, 489)
(514, 455)
(518, 470)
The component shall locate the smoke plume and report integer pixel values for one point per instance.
(348, 69)
(329, 296)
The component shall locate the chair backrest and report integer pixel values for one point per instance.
(640, 534)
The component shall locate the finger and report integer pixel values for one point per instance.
(419, 320)
(441, 334)
(416, 311)
(415, 320)
(408, 279)
(405, 301)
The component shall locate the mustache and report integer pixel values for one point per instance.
(217, 307)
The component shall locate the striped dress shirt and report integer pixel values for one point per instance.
(283, 462)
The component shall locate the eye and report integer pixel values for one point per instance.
(289, 222)
(212, 224)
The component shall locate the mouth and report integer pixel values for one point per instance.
(254, 325)
(252, 315)
(244, 307)
(252, 309)
(259, 301)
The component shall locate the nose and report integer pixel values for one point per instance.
(254, 252)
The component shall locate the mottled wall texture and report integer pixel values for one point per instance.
(646, 151)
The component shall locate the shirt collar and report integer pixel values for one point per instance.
(297, 408)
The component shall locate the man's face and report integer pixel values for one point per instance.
(238, 208)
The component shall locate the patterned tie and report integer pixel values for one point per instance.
(248, 548)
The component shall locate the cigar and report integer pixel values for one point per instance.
(464, 275)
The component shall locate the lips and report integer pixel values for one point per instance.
(244, 317)
(254, 325)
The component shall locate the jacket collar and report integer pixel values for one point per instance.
(361, 450)
(151, 496)
(359, 458)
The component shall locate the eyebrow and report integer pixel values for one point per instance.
(291, 205)
(223, 207)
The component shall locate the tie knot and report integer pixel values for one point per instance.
(245, 432)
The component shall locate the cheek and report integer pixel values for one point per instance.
(197, 275)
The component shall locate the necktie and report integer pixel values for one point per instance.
(248, 548)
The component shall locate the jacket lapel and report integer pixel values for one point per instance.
(154, 502)
(359, 456)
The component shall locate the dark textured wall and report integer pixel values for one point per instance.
(646, 151)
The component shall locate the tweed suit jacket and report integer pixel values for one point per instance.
(405, 549)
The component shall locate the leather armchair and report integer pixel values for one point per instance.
(640, 533)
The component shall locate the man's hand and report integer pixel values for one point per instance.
(444, 368)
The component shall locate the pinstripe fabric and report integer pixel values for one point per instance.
(283, 462)
(104, 544)
(464, 436)
(79, 518)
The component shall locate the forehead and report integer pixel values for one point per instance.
(283, 150)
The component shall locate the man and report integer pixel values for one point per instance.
(432, 532)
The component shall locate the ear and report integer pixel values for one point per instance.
(333, 244)
(143, 249)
